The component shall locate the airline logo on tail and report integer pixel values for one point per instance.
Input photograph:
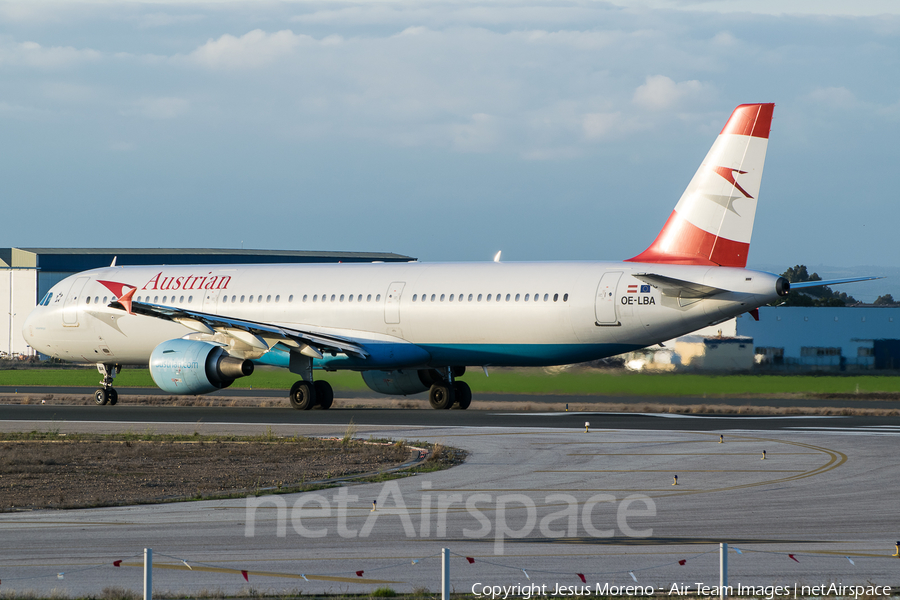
(713, 221)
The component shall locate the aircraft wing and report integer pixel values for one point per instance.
(678, 288)
(258, 335)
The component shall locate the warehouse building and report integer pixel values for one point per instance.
(26, 274)
(818, 338)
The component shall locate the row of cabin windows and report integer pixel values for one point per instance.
(349, 298)
(489, 298)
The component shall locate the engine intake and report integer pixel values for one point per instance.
(194, 367)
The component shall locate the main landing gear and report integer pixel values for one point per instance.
(106, 394)
(308, 394)
(447, 393)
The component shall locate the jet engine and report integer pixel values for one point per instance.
(194, 367)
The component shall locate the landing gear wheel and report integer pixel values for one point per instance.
(324, 394)
(463, 394)
(113, 396)
(101, 396)
(441, 396)
(303, 395)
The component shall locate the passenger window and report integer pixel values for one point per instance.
(269, 298)
(565, 297)
(332, 297)
(224, 299)
(250, 299)
(451, 297)
(470, 297)
(277, 298)
(517, 297)
(507, 297)
(315, 297)
(433, 297)
(242, 299)
(233, 298)
(555, 297)
(342, 297)
(87, 300)
(488, 297)
(414, 297)
(155, 299)
(378, 298)
(479, 297)
(259, 298)
(546, 297)
(369, 298)
(526, 297)
(442, 297)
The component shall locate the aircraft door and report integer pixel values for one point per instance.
(70, 306)
(392, 302)
(605, 302)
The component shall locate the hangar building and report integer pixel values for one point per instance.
(26, 274)
(811, 338)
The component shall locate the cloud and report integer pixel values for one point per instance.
(254, 49)
(599, 125)
(158, 108)
(659, 92)
(32, 54)
(834, 97)
(480, 134)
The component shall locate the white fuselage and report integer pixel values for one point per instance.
(410, 314)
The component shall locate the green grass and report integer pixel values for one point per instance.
(520, 381)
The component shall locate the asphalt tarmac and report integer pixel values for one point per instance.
(534, 399)
(539, 501)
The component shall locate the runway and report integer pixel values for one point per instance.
(538, 501)
(534, 399)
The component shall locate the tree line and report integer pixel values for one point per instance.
(820, 296)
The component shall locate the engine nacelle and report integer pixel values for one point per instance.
(192, 367)
(401, 382)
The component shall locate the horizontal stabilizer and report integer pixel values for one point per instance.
(810, 284)
(678, 288)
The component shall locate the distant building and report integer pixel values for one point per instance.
(803, 338)
(715, 353)
(26, 274)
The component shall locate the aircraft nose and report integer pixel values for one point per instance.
(35, 330)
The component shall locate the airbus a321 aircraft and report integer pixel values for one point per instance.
(413, 327)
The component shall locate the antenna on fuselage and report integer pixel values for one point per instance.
(497, 256)
(113, 263)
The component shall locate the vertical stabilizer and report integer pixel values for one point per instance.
(713, 221)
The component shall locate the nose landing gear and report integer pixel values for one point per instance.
(106, 394)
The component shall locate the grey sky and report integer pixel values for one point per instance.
(443, 130)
